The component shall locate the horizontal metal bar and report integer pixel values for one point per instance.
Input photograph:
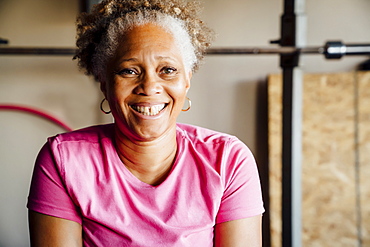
(357, 50)
(37, 51)
(345, 50)
(211, 51)
(264, 51)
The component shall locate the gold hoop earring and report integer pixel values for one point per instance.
(189, 105)
(101, 107)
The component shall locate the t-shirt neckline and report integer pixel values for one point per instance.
(131, 177)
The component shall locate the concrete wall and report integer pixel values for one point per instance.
(225, 92)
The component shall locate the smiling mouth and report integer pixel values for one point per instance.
(149, 110)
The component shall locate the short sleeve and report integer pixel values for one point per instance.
(48, 194)
(242, 196)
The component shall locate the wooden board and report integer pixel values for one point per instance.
(363, 80)
(336, 161)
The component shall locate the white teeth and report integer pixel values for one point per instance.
(149, 110)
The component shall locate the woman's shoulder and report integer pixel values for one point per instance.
(203, 135)
(88, 134)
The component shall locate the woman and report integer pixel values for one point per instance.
(144, 180)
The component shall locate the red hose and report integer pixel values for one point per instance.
(37, 113)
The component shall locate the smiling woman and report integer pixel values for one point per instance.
(152, 77)
(144, 180)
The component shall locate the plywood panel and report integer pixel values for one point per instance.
(275, 166)
(329, 159)
(364, 153)
(329, 199)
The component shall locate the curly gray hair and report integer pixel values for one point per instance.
(98, 33)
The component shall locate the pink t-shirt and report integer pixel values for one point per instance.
(79, 176)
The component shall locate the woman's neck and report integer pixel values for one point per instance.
(149, 161)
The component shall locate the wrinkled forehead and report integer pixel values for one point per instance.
(169, 24)
(149, 39)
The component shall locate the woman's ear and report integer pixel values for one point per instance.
(189, 81)
(103, 88)
(190, 74)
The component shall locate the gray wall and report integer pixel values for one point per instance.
(225, 92)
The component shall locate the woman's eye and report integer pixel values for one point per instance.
(168, 70)
(127, 72)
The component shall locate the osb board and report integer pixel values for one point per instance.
(275, 145)
(364, 153)
(330, 122)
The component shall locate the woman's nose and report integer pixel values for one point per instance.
(149, 85)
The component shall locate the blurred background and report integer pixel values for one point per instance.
(229, 93)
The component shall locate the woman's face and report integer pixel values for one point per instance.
(147, 83)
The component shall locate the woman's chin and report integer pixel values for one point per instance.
(143, 127)
(150, 134)
(146, 132)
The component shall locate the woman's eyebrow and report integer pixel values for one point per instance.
(165, 58)
(128, 60)
(123, 60)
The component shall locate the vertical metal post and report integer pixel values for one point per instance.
(86, 5)
(291, 158)
(292, 34)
